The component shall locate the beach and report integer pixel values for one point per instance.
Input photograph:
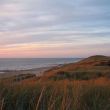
(35, 71)
(36, 66)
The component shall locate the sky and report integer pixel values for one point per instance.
(54, 28)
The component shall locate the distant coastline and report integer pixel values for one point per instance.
(31, 63)
(38, 71)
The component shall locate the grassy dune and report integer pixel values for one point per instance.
(81, 86)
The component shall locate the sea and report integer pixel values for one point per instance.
(31, 63)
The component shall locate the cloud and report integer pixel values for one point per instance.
(75, 23)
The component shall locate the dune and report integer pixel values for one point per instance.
(91, 67)
(84, 85)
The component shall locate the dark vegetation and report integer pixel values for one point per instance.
(77, 75)
(81, 86)
(21, 77)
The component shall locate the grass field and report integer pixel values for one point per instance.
(81, 86)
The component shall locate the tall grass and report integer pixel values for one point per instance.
(56, 95)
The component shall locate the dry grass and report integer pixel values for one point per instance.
(56, 95)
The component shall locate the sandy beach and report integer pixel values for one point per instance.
(36, 71)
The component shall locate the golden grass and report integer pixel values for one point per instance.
(56, 95)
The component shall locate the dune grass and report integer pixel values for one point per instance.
(78, 75)
(56, 95)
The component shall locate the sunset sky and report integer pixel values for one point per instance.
(54, 28)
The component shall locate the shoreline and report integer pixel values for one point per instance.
(36, 71)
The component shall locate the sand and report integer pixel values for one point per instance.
(36, 71)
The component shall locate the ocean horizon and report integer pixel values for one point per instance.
(31, 63)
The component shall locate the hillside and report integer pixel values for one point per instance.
(91, 67)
